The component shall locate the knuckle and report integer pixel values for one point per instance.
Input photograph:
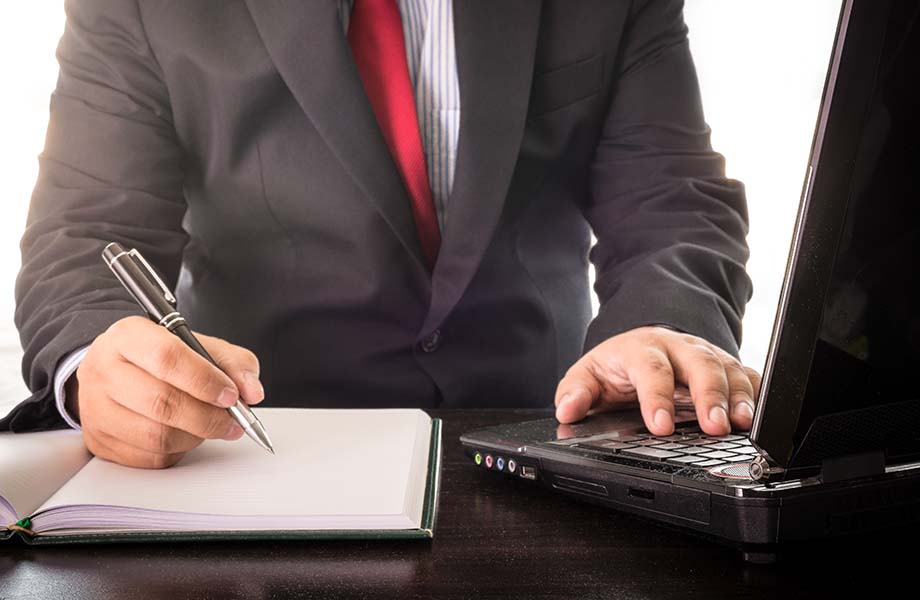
(708, 358)
(201, 380)
(250, 359)
(713, 395)
(752, 375)
(164, 405)
(646, 337)
(735, 370)
(166, 359)
(217, 424)
(658, 364)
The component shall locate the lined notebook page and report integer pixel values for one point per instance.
(34, 465)
(326, 462)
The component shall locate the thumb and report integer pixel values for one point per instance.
(577, 392)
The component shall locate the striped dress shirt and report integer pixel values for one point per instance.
(428, 28)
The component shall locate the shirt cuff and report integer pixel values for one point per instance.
(65, 369)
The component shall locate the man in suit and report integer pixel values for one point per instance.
(379, 203)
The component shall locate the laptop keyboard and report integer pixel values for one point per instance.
(687, 446)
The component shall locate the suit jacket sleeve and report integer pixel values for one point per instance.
(670, 227)
(110, 171)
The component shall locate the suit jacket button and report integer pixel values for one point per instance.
(432, 342)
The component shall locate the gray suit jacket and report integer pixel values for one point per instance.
(231, 142)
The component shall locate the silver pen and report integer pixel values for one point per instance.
(151, 293)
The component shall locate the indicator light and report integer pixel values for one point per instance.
(500, 463)
(477, 459)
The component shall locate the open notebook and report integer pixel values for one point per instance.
(335, 473)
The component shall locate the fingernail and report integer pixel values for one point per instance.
(662, 419)
(743, 408)
(234, 432)
(718, 415)
(252, 380)
(228, 397)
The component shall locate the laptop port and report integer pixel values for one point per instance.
(641, 494)
(528, 472)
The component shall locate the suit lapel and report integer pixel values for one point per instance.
(308, 46)
(495, 47)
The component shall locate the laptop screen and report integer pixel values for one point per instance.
(852, 294)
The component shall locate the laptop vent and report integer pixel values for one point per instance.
(859, 430)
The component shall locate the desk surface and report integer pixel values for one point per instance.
(494, 539)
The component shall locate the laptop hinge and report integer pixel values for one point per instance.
(853, 466)
(762, 469)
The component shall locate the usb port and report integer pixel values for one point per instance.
(528, 472)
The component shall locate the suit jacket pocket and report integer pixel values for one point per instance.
(566, 85)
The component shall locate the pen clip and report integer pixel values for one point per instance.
(133, 253)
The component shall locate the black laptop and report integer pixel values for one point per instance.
(835, 444)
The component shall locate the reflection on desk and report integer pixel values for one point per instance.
(495, 539)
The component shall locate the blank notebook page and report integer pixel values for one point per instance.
(326, 462)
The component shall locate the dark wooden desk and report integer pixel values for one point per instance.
(494, 539)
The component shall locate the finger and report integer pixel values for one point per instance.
(138, 431)
(741, 393)
(651, 373)
(700, 368)
(167, 358)
(755, 380)
(142, 393)
(239, 363)
(745, 385)
(112, 449)
(577, 391)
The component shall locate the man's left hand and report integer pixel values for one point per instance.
(648, 364)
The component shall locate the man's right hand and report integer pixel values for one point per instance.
(144, 398)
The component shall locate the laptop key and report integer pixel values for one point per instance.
(724, 446)
(672, 446)
(746, 450)
(695, 449)
(709, 463)
(673, 438)
(649, 442)
(728, 438)
(685, 460)
(718, 454)
(699, 442)
(650, 453)
(737, 458)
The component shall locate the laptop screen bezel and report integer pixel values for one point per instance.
(822, 209)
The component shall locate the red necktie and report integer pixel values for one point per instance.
(375, 35)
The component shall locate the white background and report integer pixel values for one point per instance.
(761, 67)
